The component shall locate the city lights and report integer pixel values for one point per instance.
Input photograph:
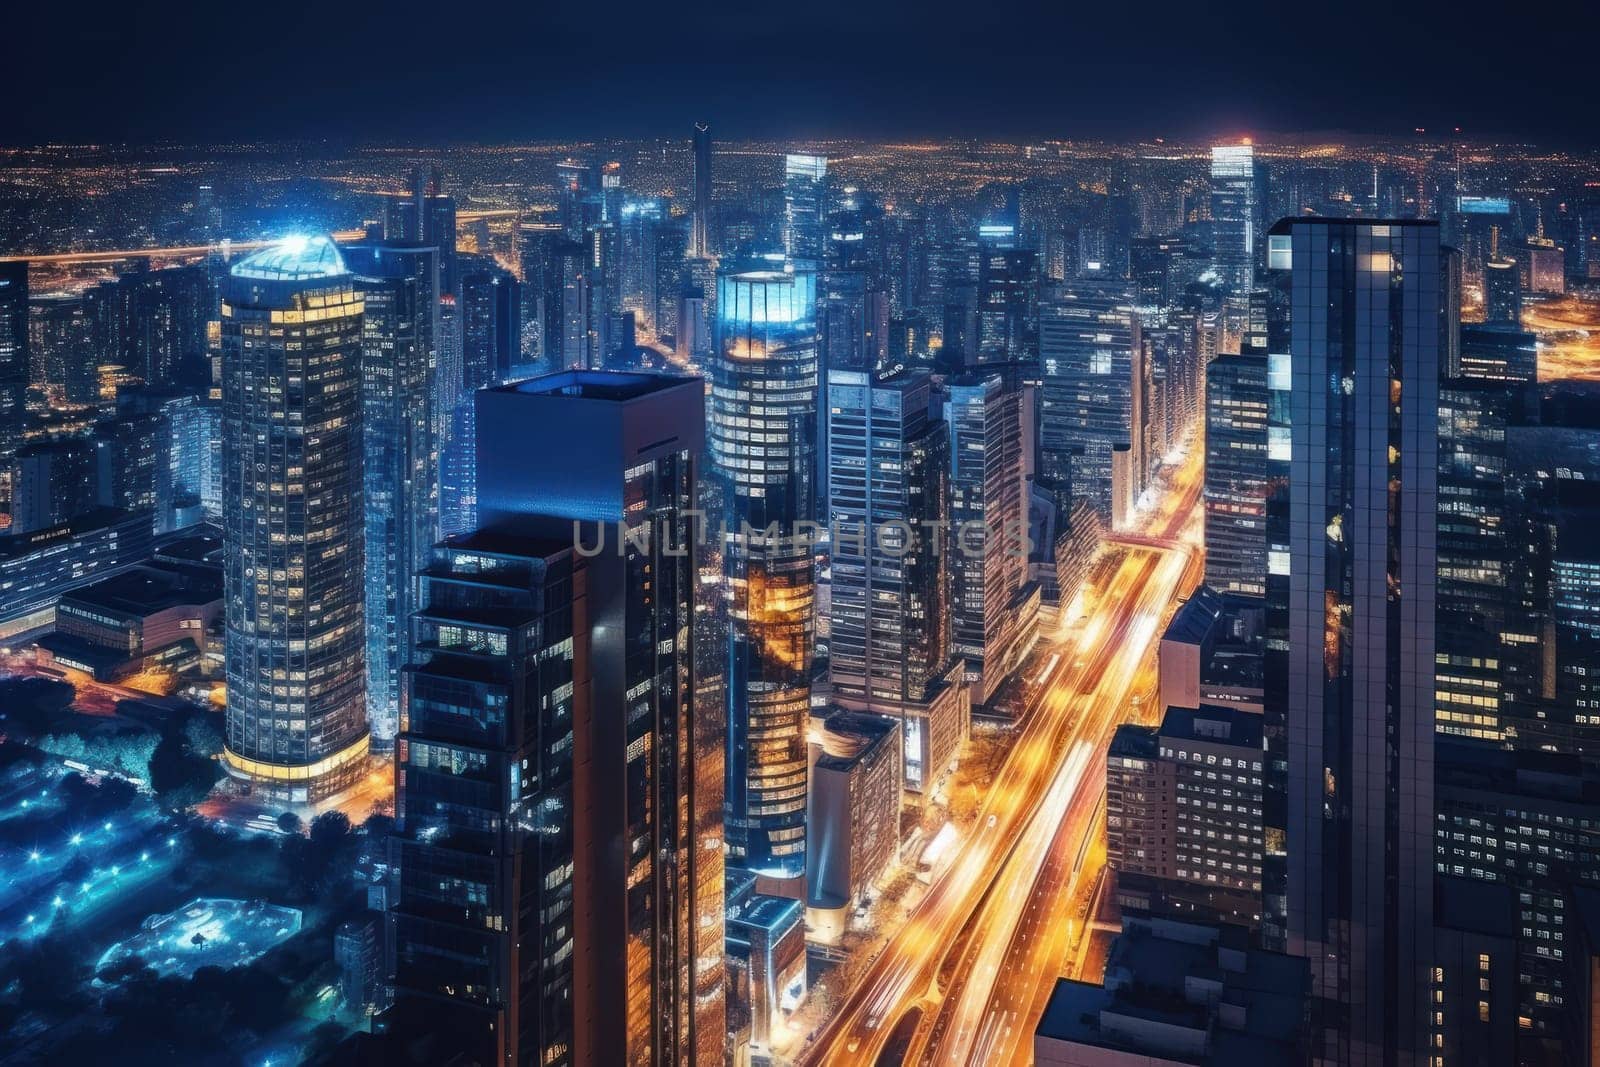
(807, 539)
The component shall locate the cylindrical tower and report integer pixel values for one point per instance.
(762, 439)
(291, 399)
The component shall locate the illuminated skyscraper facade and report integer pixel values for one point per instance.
(292, 517)
(762, 435)
(1353, 379)
(805, 206)
(1235, 479)
(400, 458)
(561, 868)
(888, 627)
(14, 367)
(985, 455)
(700, 215)
(1234, 209)
(1088, 343)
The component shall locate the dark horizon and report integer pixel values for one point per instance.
(1004, 71)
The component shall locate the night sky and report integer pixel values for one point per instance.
(400, 70)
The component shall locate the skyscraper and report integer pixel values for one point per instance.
(1235, 476)
(14, 367)
(14, 374)
(647, 954)
(1088, 341)
(1235, 206)
(560, 847)
(400, 456)
(482, 920)
(1008, 306)
(491, 344)
(888, 627)
(1502, 293)
(292, 517)
(805, 206)
(982, 417)
(1352, 375)
(700, 221)
(762, 431)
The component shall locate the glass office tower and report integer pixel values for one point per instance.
(986, 490)
(1088, 338)
(1234, 199)
(400, 458)
(762, 436)
(14, 361)
(292, 518)
(1352, 442)
(805, 206)
(888, 631)
(1235, 478)
(700, 217)
(481, 921)
(646, 811)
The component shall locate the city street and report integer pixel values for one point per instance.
(1007, 904)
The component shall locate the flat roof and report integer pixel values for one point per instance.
(145, 590)
(615, 386)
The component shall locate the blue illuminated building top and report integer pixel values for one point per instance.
(763, 296)
(293, 259)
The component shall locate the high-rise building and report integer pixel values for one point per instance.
(853, 811)
(648, 953)
(762, 436)
(400, 456)
(805, 207)
(1235, 475)
(1473, 546)
(700, 214)
(14, 360)
(1498, 352)
(1088, 341)
(62, 346)
(293, 521)
(194, 458)
(986, 494)
(482, 919)
(556, 675)
(1352, 377)
(887, 479)
(1234, 210)
(491, 337)
(1008, 306)
(1502, 292)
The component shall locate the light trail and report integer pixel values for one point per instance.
(1043, 800)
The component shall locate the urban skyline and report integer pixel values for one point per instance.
(788, 601)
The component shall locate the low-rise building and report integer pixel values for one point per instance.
(153, 616)
(36, 568)
(1211, 652)
(852, 815)
(1178, 993)
(1184, 826)
(766, 948)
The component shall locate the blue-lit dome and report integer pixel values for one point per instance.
(293, 259)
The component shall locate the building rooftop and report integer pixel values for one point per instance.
(144, 591)
(1139, 742)
(1212, 722)
(615, 386)
(1186, 993)
(293, 259)
(1194, 621)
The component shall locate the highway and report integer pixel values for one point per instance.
(993, 914)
